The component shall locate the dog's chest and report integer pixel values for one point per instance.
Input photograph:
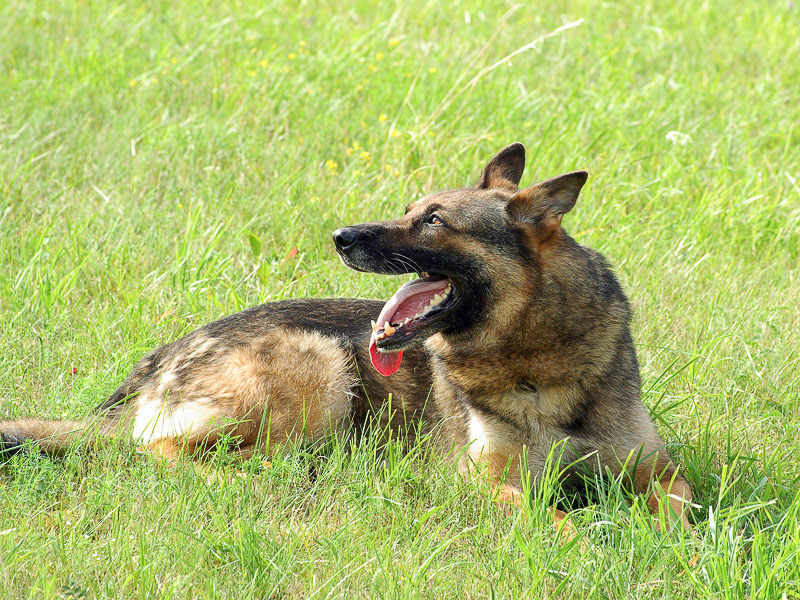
(513, 417)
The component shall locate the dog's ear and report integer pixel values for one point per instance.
(505, 169)
(545, 203)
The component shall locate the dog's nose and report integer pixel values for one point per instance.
(346, 237)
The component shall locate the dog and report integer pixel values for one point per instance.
(513, 338)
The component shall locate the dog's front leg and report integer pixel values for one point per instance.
(495, 454)
(669, 494)
(511, 496)
(499, 472)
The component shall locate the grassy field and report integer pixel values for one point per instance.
(164, 164)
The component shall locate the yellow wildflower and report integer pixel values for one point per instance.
(393, 43)
(366, 156)
(251, 73)
(432, 70)
(253, 50)
(332, 165)
(292, 55)
(263, 62)
(349, 152)
(372, 68)
(382, 118)
(303, 43)
(132, 83)
(379, 56)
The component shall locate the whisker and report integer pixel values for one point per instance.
(408, 262)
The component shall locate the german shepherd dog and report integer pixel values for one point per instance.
(513, 338)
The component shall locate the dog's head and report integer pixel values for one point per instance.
(477, 252)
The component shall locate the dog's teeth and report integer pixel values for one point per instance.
(437, 300)
(374, 325)
(407, 320)
(389, 330)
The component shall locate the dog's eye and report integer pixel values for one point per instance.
(434, 220)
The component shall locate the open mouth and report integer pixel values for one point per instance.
(414, 307)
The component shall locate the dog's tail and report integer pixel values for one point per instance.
(52, 437)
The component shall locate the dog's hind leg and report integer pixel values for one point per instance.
(287, 385)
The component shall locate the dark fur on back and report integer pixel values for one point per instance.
(345, 320)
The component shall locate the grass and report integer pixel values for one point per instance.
(160, 162)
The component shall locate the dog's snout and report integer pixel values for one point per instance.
(346, 237)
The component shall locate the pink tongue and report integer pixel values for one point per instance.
(386, 363)
(410, 299)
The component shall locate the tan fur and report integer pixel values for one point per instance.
(667, 492)
(55, 437)
(287, 385)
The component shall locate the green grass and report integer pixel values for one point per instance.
(160, 161)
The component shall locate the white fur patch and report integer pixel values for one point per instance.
(479, 436)
(157, 420)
